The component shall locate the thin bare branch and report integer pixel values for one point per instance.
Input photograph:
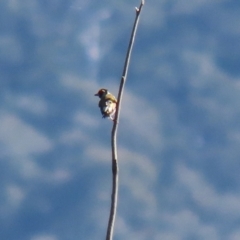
(114, 196)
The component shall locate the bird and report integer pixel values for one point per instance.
(107, 103)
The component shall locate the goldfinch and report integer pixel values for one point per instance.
(107, 103)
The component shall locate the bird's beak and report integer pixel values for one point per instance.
(96, 94)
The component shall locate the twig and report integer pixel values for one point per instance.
(115, 127)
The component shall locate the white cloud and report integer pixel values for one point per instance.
(85, 119)
(184, 224)
(13, 5)
(137, 173)
(97, 153)
(154, 15)
(203, 71)
(235, 235)
(33, 104)
(138, 176)
(78, 133)
(187, 7)
(10, 49)
(19, 142)
(19, 138)
(15, 195)
(44, 237)
(12, 197)
(206, 196)
(59, 176)
(86, 87)
(141, 117)
(90, 40)
(72, 137)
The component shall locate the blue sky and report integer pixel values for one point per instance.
(179, 130)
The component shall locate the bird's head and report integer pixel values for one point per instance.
(102, 92)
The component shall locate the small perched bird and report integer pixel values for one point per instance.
(107, 103)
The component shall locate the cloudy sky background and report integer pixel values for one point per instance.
(179, 132)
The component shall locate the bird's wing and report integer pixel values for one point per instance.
(111, 97)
